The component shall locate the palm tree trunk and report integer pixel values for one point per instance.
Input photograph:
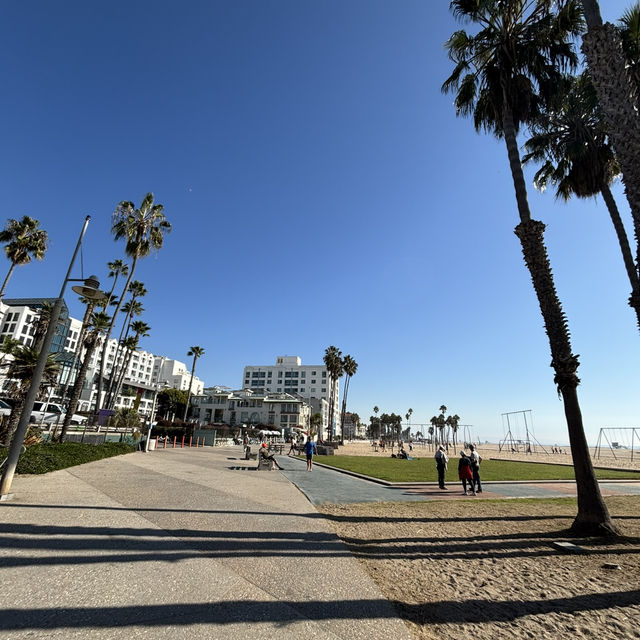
(617, 94)
(627, 257)
(193, 371)
(77, 389)
(6, 280)
(120, 381)
(124, 332)
(106, 340)
(343, 412)
(593, 517)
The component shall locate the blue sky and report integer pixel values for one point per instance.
(321, 191)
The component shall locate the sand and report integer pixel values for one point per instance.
(487, 569)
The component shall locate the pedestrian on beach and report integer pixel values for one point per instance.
(441, 466)
(309, 449)
(475, 460)
(465, 474)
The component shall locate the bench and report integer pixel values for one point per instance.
(264, 464)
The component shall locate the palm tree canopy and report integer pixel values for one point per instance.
(140, 328)
(143, 228)
(133, 308)
(515, 57)
(571, 142)
(196, 352)
(24, 364)
(629, 27)
(349, 365)
(117, 268)
(137, 289)
(24, 240)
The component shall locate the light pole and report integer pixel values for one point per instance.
(91, 288)
(164, 385)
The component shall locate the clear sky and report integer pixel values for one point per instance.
(322, 192)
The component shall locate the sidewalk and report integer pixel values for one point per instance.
(179, 544)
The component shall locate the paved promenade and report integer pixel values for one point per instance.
(178, 544)
(195, 544)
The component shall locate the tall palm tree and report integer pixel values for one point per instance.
(130, 308)
(433, 430)
(571, 141)
(24, 240)
(375, 411)
(629, 29)
(615, 82)
(41, 323)
(350, 367)
(130, 344)
(196, 352)
(333, 362)
(143, 230)
(21, 370)
(97, 327)
(503, 76)
(116, 268)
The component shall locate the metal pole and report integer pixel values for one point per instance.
(21, 430)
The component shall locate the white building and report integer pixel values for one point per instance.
(289, 375)
(246, 407)
(145, 371)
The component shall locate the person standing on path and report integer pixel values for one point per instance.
(475, 459)
(441, 466)
(464, 473)
(309, 449)
(294, 447)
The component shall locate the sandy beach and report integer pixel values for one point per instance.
(486, 569)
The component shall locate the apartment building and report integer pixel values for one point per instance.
(246, 407)
(289, 375)
(145, 371)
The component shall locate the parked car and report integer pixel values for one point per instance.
(52, 413)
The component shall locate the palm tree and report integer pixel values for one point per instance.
(375, 411)
(130, 344)
(455, 422)
(333, 363)
(433, 430)
(131, 308)
(21, 370)
(97, 325)
(196, 352)
(571, 141)
(24, 240)
(143, 229)
(41, 323)
(629, 29)
(408, 417)
(116, 268)
(614, 80)
(350, 367)
(503, 76)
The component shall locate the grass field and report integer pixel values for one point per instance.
(424, 469)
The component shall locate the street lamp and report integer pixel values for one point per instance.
(89, 290)
(164, 385)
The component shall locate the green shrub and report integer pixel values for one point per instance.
(45, 457)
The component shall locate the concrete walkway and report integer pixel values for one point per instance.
(178, 544)
(194, 544)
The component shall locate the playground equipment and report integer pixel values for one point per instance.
(519, 436)
(621, 442)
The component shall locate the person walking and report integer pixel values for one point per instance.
(309, 449)
(475, 459)
(464, 473)
(294, 447)
(441, 466)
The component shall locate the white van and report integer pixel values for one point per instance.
(52, 413)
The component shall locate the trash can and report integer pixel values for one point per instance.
(152, 444)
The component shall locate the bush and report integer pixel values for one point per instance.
(45, 457)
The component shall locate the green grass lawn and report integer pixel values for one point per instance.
(424, 469)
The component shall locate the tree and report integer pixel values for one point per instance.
(571, 141)
(98, 325)
(143, 230)
(196, 352)
(350, 367)
(433, 430)
(316, 423)
(126, 418)
(613, 79)
(116, 268)
(171, 402)
(335, 370)
(503, 77)
(130, 344)
(24, 241)
(20, 370)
